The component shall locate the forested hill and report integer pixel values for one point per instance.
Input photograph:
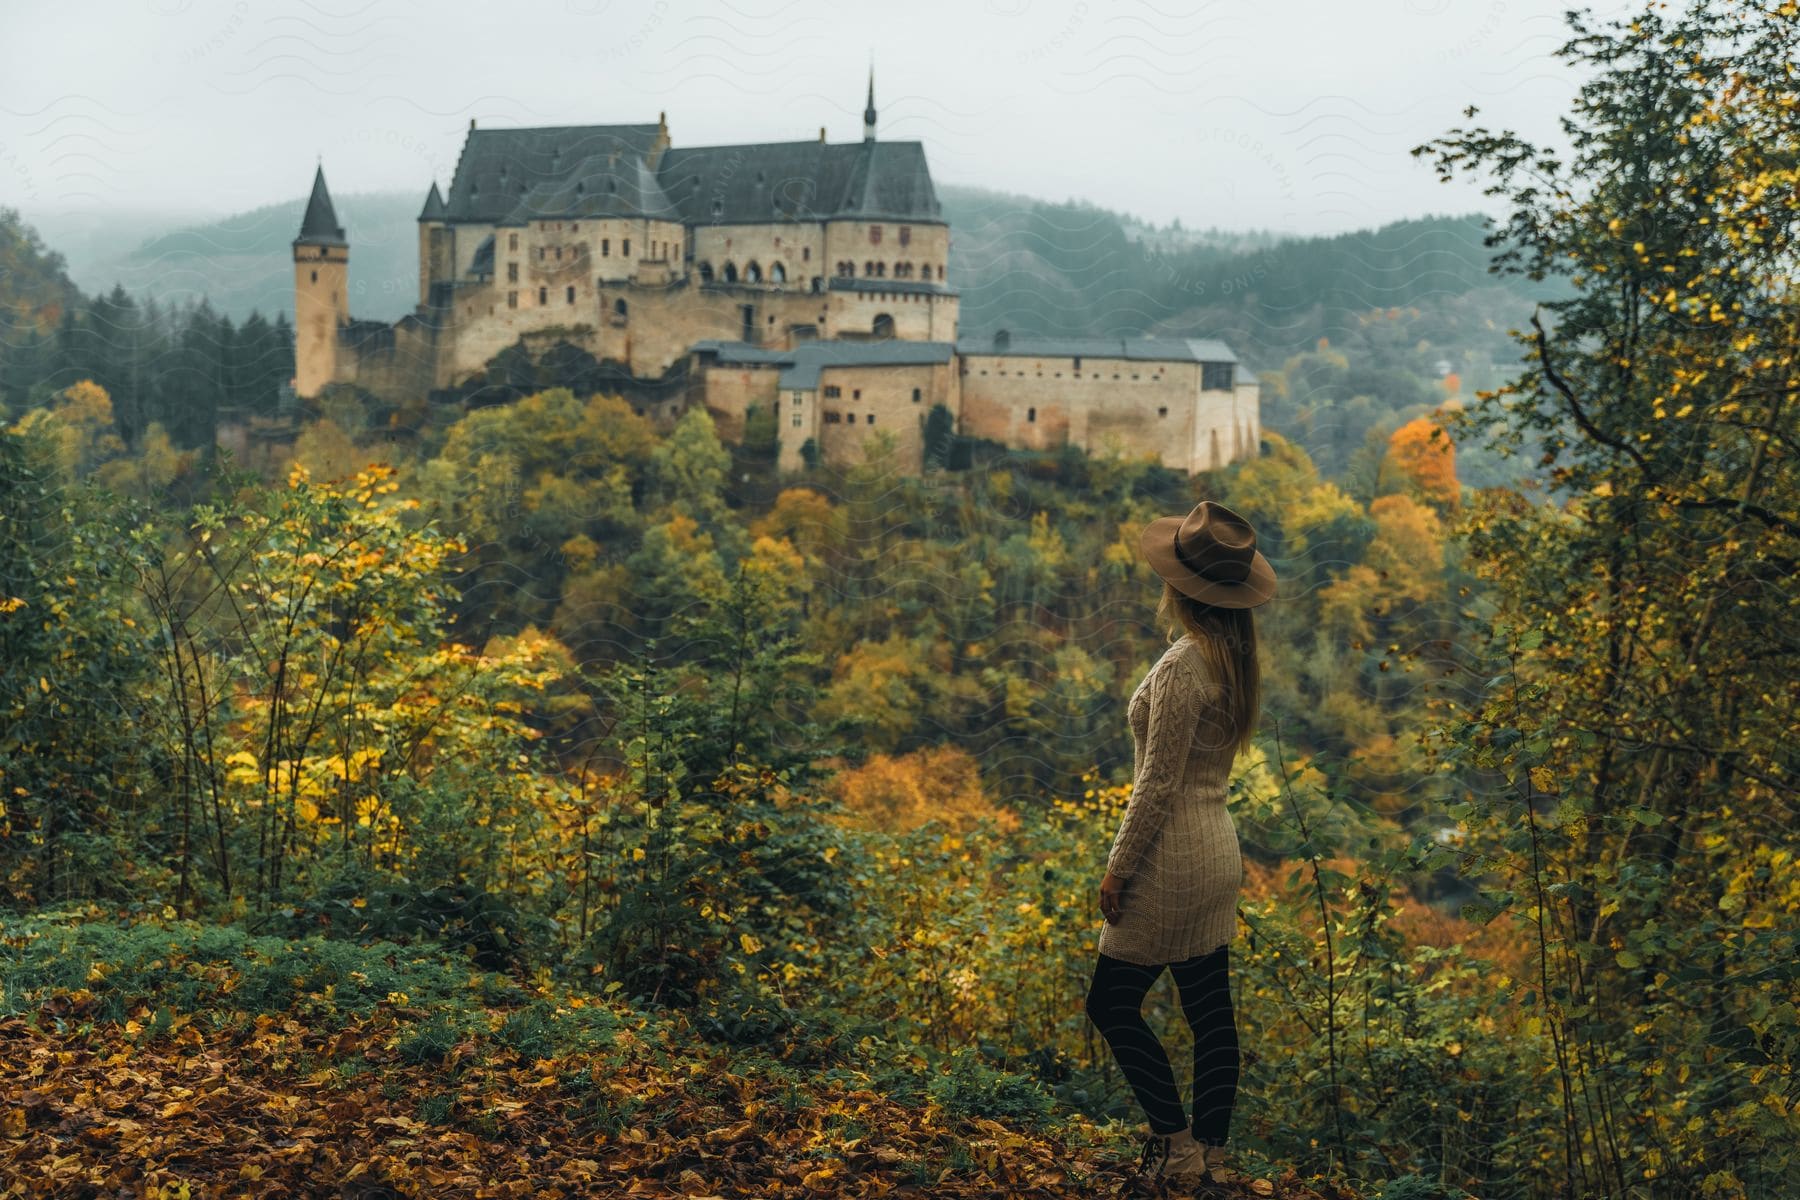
(35, 289)
(1073, 270)
(1022, 264)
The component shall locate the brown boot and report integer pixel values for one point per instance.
(1171, 1158)
(1216, 1169)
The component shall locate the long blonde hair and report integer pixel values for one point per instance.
(1227, 637)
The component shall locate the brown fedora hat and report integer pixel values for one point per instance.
(1211, 555)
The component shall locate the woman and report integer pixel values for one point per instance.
(1169, 897)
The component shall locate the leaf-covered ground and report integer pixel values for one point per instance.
(561, 1096)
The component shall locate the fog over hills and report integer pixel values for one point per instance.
(1027, 265)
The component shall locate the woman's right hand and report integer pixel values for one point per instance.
(1112, 891)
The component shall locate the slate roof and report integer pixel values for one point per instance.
(513, 175)
(319, 227)
(800, 181)
(598, 186)
(482, 261)
(1203, 350)
(801, 365)
(434, 209)
(498, 167)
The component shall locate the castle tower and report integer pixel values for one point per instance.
(869, 110)
(321, 291)
(434, 244)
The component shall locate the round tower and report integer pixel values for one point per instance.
(321, 291)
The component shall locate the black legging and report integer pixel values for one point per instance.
(1115, 1003)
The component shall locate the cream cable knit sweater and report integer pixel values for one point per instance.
(1176, 845)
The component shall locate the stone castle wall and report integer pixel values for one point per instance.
(876, 398)
(1100, 405)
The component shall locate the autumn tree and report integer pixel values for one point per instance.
(1421, 460)
(1639, 733)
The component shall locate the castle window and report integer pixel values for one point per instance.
(1031, 414)
(874, 235)
(796, 420)
(856, 393)
(906, 235)
(753, 273)
(731, 272)
(571, 293)
(315, 277)
(916, 395)
(806, 254)
(574, 226)
(1078, 362)
(625, 248)
(777, 273)
(543, 296)
(869, 420)
(605, 247)
(559, 253)
(620, 309)
(706, 272)
(512, 299)
(1134, 374)
(512, 272)
(818, 284)
(831, 418)
(940, 270)
(512, 241)
(831, 391)
(1215, 376)
(1162, 410)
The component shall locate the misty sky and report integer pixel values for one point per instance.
(1293, 115)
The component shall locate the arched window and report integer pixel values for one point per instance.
(620, 308)
(884, 325)
(753, 272)
(777, 273)
(706, 272)
(818, 284)
(730, 272)
(868, 268)
(543, 296)
(571, 291)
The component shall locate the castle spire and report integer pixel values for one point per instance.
(434, 209)
(320, 225)
(869, 110)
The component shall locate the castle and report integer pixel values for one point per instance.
(804, 278)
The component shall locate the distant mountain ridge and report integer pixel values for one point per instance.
(1031, 266)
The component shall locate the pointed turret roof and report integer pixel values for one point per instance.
(320, 226)
(434, 209)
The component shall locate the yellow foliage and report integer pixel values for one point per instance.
(902, 792)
